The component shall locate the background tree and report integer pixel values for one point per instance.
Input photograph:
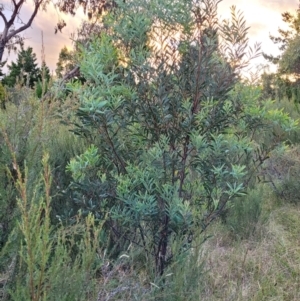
(10, 14)
(65, 62)
(1, 72)
(285, 36)
(25, 69)
(285, 82)
(289, 62)
(68, 62)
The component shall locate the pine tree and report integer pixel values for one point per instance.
(25, 70)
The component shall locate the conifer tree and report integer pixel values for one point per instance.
(25, 70)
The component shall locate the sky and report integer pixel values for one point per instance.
(263, 17)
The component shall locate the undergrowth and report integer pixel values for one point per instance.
(252, 255)
(140, 184)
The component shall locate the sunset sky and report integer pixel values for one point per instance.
(263, 16)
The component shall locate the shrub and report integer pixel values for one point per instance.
(173, 137)
(288, 190)
(283, 170)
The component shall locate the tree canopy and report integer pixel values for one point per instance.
(90, 7)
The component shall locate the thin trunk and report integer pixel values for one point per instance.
(160, 259)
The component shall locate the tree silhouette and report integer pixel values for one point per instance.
(25, 69)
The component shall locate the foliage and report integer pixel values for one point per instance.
(23, 127)
(26, 130)
(288, 190)
(33, 126)
(1, 73)
(175, 138)
(167, 140)
(277, 87)
(56, 259)
(289, 62)
(184, 278)
(90, 7)
(259, 268)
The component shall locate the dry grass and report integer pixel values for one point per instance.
(266, 267)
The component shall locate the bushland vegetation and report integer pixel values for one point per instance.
(156, 173)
